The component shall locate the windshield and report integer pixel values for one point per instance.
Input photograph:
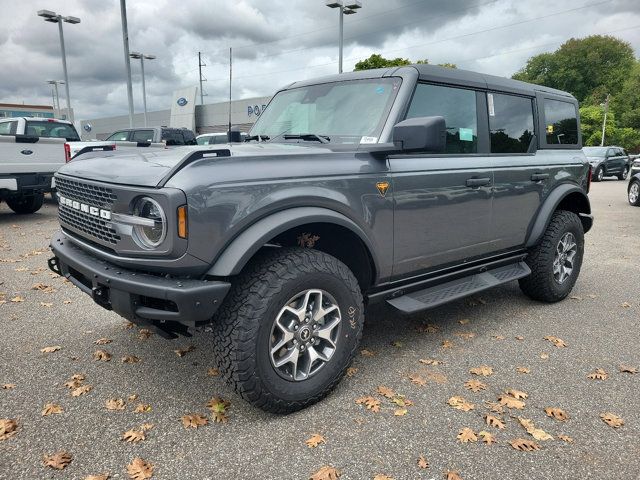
(345, 112)
(595, 151)
(51, 130)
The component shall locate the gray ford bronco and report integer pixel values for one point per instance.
(413, 186)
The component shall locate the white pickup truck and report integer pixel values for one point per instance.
(31, 150)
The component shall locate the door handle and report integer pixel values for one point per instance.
(536, 177)
(478, 182)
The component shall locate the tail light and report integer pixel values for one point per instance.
(67, 153)
(589, 178)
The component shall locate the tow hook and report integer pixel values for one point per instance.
(100, 295)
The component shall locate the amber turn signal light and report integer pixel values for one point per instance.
(182, 221)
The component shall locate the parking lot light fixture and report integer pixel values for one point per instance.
(53, 17)
(55, 84)
(142, 57)
(345, 8)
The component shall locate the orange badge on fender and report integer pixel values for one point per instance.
(382, 187)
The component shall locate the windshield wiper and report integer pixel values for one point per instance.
(260, 138)
(308, 137)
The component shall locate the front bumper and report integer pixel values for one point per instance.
(139, 297)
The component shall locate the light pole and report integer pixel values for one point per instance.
(345, 8)
(56, 100)
(127, 63)
(53, 17)
(604, 122)
(142, 56)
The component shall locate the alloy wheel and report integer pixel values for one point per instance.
(566, 251)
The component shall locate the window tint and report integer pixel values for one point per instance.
(8, 128)
(119, 136)
(51, 130)
(561, 122)
(203, 140)
(510, 123)
(142, 136)
(173, 137)
(457, 106)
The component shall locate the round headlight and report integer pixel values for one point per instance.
(151, 234)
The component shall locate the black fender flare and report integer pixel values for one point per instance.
(236, 255)
(550, 205)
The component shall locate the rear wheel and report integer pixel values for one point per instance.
(634, 193)
(25, 204)
(555, 262)
(623, 175)
(598, 175)
(289, 328)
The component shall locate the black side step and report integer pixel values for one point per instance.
(462, 287)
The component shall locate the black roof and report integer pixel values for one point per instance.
(450, 76)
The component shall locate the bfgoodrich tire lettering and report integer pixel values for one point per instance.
(244, 324)
(542, 284)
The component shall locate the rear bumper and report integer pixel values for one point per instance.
(139, 297)
(26, 182)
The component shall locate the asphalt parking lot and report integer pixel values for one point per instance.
(500, 329)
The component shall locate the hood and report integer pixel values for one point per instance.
(148, 167)
(594, 159)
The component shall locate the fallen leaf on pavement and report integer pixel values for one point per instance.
(46, 304)
(142, 408)
(115, 404)
(467, 435)
(430, 361)
(487, 437)
(417, 380)
(102, 341)
(55, 348)
(422, 462)
(531, 429)
(558, 342)
(460, 403)
(464, 321)
(385, 391)
(8, 386)
(544, 356)
(133, 436)
(483, 371)
(104, 476)
(8, 428)
(437, 377)
(401, 412)
(556, 413)
(625, 305)
(214, 372)
(130, 359)
(598, 374)
(102, 356)
(612, 419)
(494, 421)
(565, 438)
(17, 299)
(181, 352)
(495, 407)
(447, 344)
(524, 445)
(475, 385)
(219, 407)
(51, 409)
(138, 469)
(452, 475)
(510, 402)
(144, 333)
(628, 369)
(326, 473)
(522, 370)
(381, 476)
(367, 353)
(520, 395)
(351, 371)
(370, 403)
(194, 420)
(58, 460)
(315, 440)
(84, 389)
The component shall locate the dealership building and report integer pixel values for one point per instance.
(184, 113)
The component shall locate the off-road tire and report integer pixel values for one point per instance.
(624, 174)
(541, 284)
(635, 203)
(597, 175)
(242, 326)
(26, 204)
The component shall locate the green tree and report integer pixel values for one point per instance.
(627, 102)
(588, 67)
(378, 61)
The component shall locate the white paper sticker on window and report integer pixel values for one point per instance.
(369, 140)
(492, 110)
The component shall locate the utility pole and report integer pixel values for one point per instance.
(127, 63)
(230, 78)
(604, 122)
(202, 79)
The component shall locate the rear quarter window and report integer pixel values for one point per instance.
(561, 122)
(8, 128)
(47, 129)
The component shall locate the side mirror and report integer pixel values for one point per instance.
(426, 134)
(234, 135)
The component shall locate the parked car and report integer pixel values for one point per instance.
(633, 189)
(147, 137)
(402, 185)
(31, 150)
(608, 162)
(217, 138)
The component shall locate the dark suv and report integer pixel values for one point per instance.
(171, 136)
(412, 186)
(608, 162)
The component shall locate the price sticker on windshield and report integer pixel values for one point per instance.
(369, 140)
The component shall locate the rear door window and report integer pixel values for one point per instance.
(142, 136)
(46, 129)
(457, 106)
(561, 122)
(173, 137)
(122, 136)
(510, 123)
(8, 128)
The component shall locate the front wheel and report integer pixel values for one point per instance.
(25, 204)
(623, 175)
(634, 193)
(289, 328)
(555, 262)
(598, 175)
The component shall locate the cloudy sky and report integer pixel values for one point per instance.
(275, 42)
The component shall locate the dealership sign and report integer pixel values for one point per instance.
(255, 110)
(182, 101)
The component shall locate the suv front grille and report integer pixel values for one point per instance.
(91, 194)
(91, 226)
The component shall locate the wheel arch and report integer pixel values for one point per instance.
(564, 197)
(355, 248)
